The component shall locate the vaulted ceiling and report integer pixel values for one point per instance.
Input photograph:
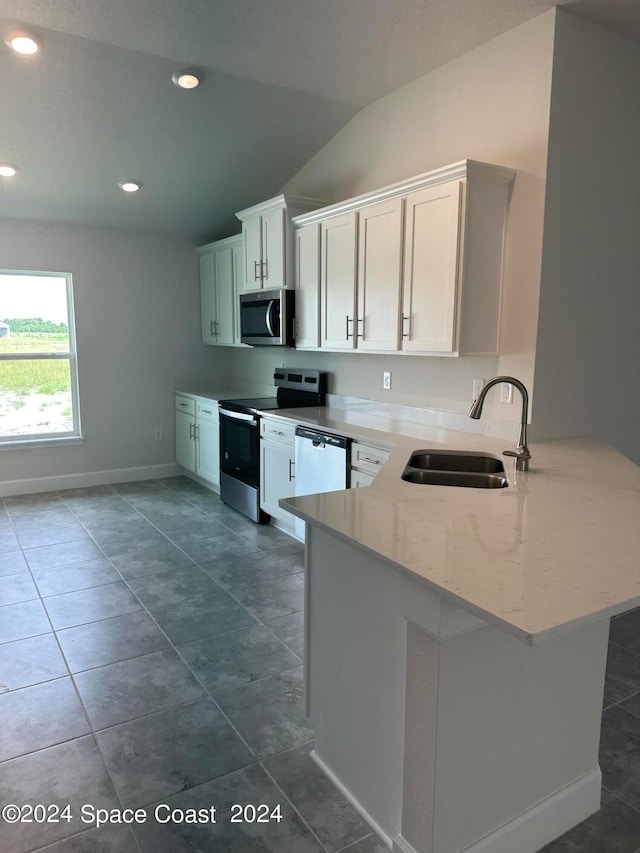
(97, 105)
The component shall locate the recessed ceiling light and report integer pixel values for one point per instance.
(23, 43)
(7, 170)
(187, 78)
(130, 186)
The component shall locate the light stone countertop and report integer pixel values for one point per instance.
(224, 394)
(557, 549)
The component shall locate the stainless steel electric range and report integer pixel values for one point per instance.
(240, 435)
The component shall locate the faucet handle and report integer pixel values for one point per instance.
(522, 457)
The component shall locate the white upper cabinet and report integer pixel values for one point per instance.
(415, 267)
(379, 275)
(338, 281)
(307, 240)
(268, 241)
(430, 284)
(221, 270)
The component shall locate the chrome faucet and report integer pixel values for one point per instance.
(521, 453)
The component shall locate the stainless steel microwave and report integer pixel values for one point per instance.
(267, 318)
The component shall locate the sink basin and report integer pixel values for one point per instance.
(467, 479)
(455, 468)
(455, 460)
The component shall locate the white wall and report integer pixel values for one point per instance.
(587, 374)
(138, 333)
(491, 104)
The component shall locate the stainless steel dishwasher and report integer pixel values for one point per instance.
(323, 462)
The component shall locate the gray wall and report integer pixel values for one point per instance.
(491, 104)
(138, 334)
(587, 371)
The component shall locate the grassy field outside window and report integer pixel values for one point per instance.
(38, 388)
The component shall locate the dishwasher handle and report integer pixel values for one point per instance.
(323, 438)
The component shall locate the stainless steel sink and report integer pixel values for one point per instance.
(455, 468)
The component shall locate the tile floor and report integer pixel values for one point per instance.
(150, 652)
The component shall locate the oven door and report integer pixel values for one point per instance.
(240, 447)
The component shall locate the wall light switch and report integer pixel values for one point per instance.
(386, 380)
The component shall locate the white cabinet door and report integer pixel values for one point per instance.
(379, 275)
(225, 295)
(208, 297)
(338, 282)
(239, 286)
(360, 479)
(274, 248)
(208, 442)
(430, 281)
(185, 444)
(276, 479)
(307, 240)
(252, 241)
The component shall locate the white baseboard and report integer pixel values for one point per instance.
(538, 826)
(89, 478)
(349, 796)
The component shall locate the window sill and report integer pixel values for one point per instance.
(32, 443)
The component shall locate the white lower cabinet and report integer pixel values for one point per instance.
(185, 445)
(366, 461)
(277, 469)
(198, 438)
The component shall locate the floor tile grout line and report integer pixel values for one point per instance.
(80, 699)
(190, 671)
(81, 702)
(304, 821)
(621, 799)
(352, 844)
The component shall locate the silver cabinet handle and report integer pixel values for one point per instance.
(191, 431)
(184, 405)
(264, 273)
(207, 411)
(360, 334)
(255, 269)
(372, 461)
(212, 328)
(291, 474)
(349, 334)
(406, 319)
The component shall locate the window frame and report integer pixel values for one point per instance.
(74, 436)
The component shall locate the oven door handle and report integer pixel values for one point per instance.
(238, 416)
(272, 302)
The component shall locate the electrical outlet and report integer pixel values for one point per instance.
(506, 392)
(386, 380)
(478, 384)
(157, 434)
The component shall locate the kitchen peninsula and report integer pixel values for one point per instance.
(456, 641)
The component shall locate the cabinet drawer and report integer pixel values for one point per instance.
(368, 458)
(359, 479)
(207, 409)
(278, 431)
(185, 404)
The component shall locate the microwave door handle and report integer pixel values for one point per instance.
(272, 302)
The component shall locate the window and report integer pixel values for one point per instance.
(38, 369)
